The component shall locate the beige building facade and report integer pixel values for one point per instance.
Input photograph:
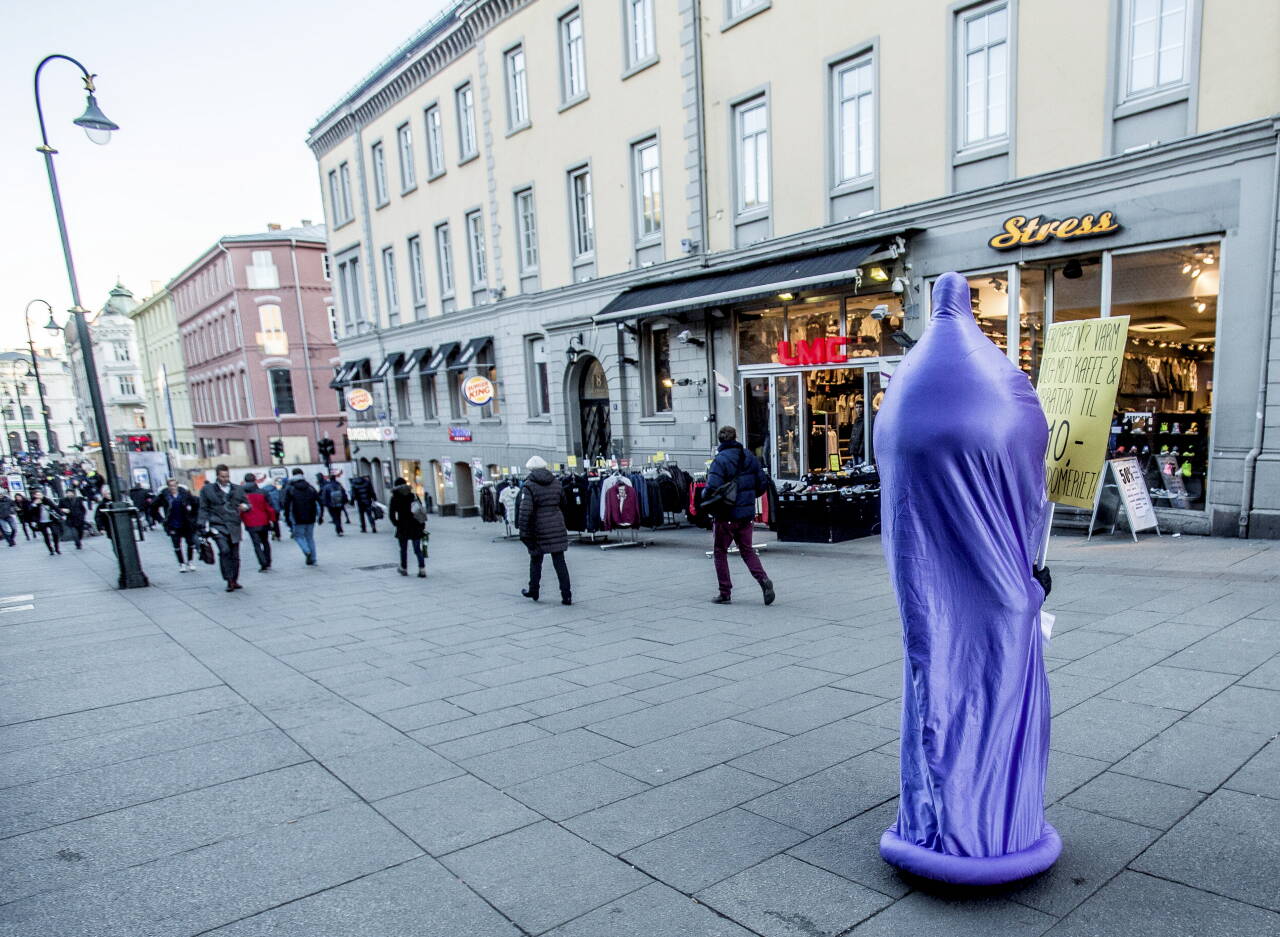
(616, 209)
(164, 378)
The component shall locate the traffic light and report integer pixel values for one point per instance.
(277, 449)
(326, 449)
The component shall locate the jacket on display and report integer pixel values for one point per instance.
(621, 506)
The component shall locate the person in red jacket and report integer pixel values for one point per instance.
(258, 520)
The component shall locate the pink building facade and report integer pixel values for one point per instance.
(255, 317)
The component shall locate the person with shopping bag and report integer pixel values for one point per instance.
(408, 516)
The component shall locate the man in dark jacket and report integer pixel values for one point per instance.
(76, 510)
(733, 461)
(362, 495)
(177, 511)
(8, 517)
(221, 503)
(408, 516)
(540, 517)
(334, 497)
(301, 507)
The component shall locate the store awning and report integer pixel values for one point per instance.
(343, 377)
(739, 284)
(389, 363)
(472, 352)
(416, 357)
(443, 353)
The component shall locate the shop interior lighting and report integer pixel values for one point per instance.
(879, 274)
(1206, 337)
(1186, 268)
(786, 297)
(1199, 306)
(667, 382)
(1157, 325)
(1195, 271)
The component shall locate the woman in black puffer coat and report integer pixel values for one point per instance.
(540, 517)
(409, 529)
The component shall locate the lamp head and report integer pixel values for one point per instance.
(52, 326)
(97, 126)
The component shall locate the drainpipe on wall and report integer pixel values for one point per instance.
(623, 411)
(302, 327)
(713, 392)
(704, 225)
(1259, 430)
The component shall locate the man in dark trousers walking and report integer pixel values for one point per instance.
(334, 497)
(362, 495)
(735, 524)
(301, 509)
(221, 504)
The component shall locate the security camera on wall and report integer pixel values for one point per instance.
(686, 338)
(879, 312)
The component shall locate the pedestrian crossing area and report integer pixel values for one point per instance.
(16, 603)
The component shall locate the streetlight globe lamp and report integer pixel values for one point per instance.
(119, 512)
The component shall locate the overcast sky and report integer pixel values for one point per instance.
(214, 103)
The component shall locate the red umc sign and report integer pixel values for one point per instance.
(829, 350)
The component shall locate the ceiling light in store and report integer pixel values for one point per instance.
(1157, 325)
(1208, 259)
(1206, 337)
(1199, 306)
(786, 297)
(1186, 268)
(1195, 272)
(879, 274)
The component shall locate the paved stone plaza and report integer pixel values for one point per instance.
(341, 751)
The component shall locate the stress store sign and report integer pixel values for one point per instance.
(1079, 373)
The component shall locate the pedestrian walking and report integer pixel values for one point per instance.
(47, 519)
(275, 497)
(22, 513)
(334, 497)
(734, 522)
(258, 520)
(540, 517)
(222, 502)
(178, 510)
(362, 495)
(301, 508)
(8, 518)
(408, 515)
(76, 511)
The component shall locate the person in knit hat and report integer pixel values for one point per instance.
(540, 518)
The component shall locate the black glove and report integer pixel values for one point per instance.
(1042, 576)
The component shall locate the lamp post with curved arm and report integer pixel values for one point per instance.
(99, 129)
(35, 366)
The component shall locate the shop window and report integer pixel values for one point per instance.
(1031, 308)
(1164, 402)
(869, 327)
(837, 429)
(656, 351)
(1077, 289)
(759, 332)
(989, 297)
(813, 319)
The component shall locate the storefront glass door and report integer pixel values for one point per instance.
(788, 423)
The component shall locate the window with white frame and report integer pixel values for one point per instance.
(527, 231)
(435, 140)
(641, 44)
(335, 198)
(983, 36)
(121, 350)
(751, 123)
(417, 272)
(271, 336)
(475, 248)
(126, 385)
(281, 390)
(444, 259)
(855, 121)
(466, 101)
(647, 185)
(349, 292)
(261, 273)
(741, 7)
(584, 222)
(539, 379)
(389, 278)
(344, 178)
(573, 57)
(378, 157)
(408, 174)
(517, 88)
(1156, 40)
(655, 345)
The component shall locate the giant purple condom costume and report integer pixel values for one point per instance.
(960, 442)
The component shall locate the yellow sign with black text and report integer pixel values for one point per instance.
(1079, 373)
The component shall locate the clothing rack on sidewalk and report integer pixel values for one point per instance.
(628, 537)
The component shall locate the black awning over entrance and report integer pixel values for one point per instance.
(739, 284)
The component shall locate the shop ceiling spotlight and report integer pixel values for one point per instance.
(879, 274)
(1073, 270)
(786, 297)
(1186, 268)
(1195, 272)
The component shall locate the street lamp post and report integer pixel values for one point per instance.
(98, 128)
(35, 365)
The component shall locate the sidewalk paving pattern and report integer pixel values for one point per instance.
(341, 751)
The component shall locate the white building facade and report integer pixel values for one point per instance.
(120, 376)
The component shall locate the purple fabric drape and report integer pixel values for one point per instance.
(960, 442)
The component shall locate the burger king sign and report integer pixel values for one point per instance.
(359, 399)
(478, 391)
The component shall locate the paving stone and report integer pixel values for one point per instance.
(1108, 729)
(575, 790)
(481, 743)
(809, 710)
(401, 766)
(712, 849)
(1170, 687)
(1068, 690)
(452, 814)
(852, 851)
(661, 810)
(785, 897)
(1243, 708)
(575, 699)
(772, 686)
(810, 752)
(1236, 649)
(1261, 775)
(652, 911)
(884, 680)
(1068, 772)
(830, 797)
(421, 715)
(1174, 635)
(1267, 676)
(590, 714)
(664, 720)
(471, 725)
(922, 915)
(580, 876)
(511, 694)
(1116, 662)
(546, 755)
(680, 755)
(352, 731)
(1135, 905)
(1137, 800)
(1193, 755)
(1229, 845)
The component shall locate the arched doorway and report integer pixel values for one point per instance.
(590, 387)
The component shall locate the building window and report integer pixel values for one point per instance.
(984, 74)
(517, 89)
(475, 248)
(332, 315)
(427, 384)
(640, 32)
(125, 383)
(379, 160)
(527, 232)
(281, 390)
(344, 178)
(855, 112)
(584, 224)
(335, 198)
(647, 183)
(466, 122)
(403, 404)
(326, 266)
(573, 57)
(739, 8)
(389, 278)
(444, 259)
(271, 336)
(752, 122)
(408, 175)
(656, 351)
(457, 408)
(435, 140)
(539, 381)
(417, 274)
(121, 350)
(1156, 41)
(261, 272)
(349, 291)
